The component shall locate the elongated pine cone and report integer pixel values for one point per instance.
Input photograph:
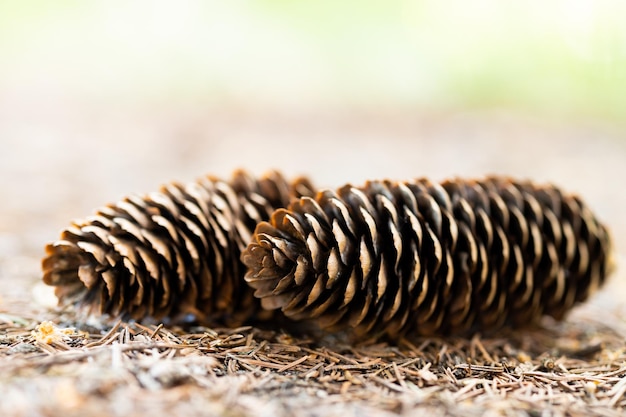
(170, 253)
(429, 259)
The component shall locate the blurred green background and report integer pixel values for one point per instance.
(103, 98)
(564, 58)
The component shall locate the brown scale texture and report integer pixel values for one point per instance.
(429, 259)
(171, 253)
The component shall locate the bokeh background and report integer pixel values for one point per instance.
(99, 99)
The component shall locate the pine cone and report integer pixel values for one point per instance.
(169, 253)
(424, 258)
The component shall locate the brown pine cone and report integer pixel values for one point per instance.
(424, 258)
(170, 253)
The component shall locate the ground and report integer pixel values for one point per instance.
(62, 167)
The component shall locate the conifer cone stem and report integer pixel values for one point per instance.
(429, 259)
(170, 253)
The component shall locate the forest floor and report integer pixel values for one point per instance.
(53, 363)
